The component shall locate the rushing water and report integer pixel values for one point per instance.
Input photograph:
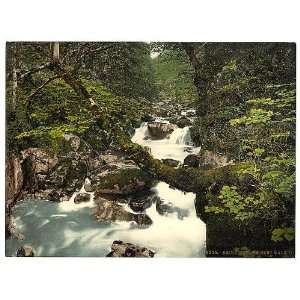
(177, 146)
(68, 229)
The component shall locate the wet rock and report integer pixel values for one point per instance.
(206, 160)
(118, 176)
(25, 251)
(159, 130)
(141, 202)
(209, 159)
(55, 195)
(82, 197)
(111, 211)
(41, 161)
(181, 121)
(171, 162)
(164, 208)
(121, 249)
(147, 118)
(52, 176)
(192, 160)
(188, 149)
(13, 179)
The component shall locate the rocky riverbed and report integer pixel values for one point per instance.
(79, 202)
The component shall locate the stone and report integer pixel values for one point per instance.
(82, 197)
(13, 179)
(111, 211)
(139, 203)
(42, 162)
(164, 208)
(147, 118)
(192, 160)
(181, 121)
(118, 176)
(206, 160)
(121, 249)
(159, 130)
(210, 159)
(25, 251)
(171, 162)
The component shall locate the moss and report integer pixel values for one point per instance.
(126, 181)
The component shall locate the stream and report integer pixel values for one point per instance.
(68, 229)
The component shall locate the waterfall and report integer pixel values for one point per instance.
(140, 134)
(181, 136)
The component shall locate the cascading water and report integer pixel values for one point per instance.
(177, 146)
(181, 136)
(68, 229)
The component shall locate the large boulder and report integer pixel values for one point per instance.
(192, 160)
(210, 159)
(121, 249)
(42, 161)
(13, 187)
(118, 176)
(53, 177)
(206, 160)
(57, 176)
(13, 179)
(181, 121)
(141, 202)
(159, 130)
(164, 208)
(147, 118)
(82, 197)
(171, 162)
(111, 211)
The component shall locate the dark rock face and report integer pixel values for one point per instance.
(171, 162)
(82, 197)
(25, 251)
(121, 249)
(52, 176)
(13, 187)
(147, 118)
(139, 203)
(181, 121)
(159, 130)
(111, 211)
(209, 159)
(192, 160)
(118, 176)
(13, 179)
(206, 160)
(164, 208)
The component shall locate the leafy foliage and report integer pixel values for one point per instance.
(174, 76)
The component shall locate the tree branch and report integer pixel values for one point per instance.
(43, 85)
(186, 179)
(35, 70)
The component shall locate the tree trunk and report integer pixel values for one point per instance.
(14, 77)
(184, 178)
(200, 81)
(55, 52)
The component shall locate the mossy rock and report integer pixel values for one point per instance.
(121, 181)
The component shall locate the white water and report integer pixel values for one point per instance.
(68, 229)
(177, 146)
